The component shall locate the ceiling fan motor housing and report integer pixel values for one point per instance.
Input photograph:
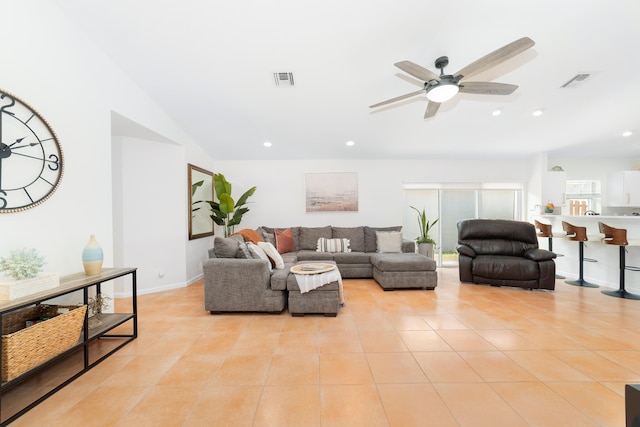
(442, 62)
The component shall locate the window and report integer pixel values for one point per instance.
(583, 195)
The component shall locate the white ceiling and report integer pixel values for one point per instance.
(210, 65)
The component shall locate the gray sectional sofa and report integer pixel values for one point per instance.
(232, 282)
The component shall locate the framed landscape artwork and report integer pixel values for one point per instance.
(200, 190)
(331, 192)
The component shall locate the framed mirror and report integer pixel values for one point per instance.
(200, 190)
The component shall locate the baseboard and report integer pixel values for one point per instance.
(155, 289)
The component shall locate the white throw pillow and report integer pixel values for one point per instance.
(389, 241)
(258, 253)
(333, 245)
(272, 253)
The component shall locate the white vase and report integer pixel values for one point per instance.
(92, 257)
(426, 249)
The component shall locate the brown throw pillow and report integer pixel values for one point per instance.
(250, 235)
(284, 241)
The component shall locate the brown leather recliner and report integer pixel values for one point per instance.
(503, 253)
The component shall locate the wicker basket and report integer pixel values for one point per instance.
(25, 348)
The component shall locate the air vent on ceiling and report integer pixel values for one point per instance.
(577, 80)
(283, 79)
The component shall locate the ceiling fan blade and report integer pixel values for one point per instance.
(417, 71)
(496, 57)
(487, 88)
(397, 98)
(432, 109)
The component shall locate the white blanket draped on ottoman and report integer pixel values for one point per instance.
(309, 282)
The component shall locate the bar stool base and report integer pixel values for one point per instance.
(582, 283)
(621, 293)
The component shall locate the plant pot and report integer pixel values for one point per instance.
(426, 249)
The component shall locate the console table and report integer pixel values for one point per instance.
(20, 394)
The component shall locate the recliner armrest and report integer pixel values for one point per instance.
(466, 250)
(539, 255)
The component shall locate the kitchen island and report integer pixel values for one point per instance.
(605, 271)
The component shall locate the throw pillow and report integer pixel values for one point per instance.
(370, 239)
(273, 255)
(243, 251)
(389, 241)
(333, 245)
(250, 235)
(258, 253)
(267, 236)
(284, 241)
(225, 248)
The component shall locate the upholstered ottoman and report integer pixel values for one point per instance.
(323, 300)
(404, 270)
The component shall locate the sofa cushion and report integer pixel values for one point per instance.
(273, 255)
(505, 267)
(225, 248)
(354, 234)
(308, 255)
(402, 262)
(250, 235)
(333, 245)
(284, 241)
(352, 258)
(389, 241)
(370, 241)
(308, 236)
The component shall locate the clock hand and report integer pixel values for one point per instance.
(17, 140)
(22, 146)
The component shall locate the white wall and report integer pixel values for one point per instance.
(280, 198)
(66, 78)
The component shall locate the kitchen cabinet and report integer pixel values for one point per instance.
(623, 189)
(554, 187)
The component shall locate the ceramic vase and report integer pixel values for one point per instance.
(92, 257)
(426, 249)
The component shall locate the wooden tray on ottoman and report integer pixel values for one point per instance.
(24, 348)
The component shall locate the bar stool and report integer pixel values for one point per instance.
(618, 237)
(579, 234)
(545, 231)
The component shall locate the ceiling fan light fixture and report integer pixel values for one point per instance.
(443, 92)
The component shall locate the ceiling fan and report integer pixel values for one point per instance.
(443, 87)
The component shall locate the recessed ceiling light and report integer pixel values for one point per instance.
(267, 144)
(496, 112)
(537, 113)
(350, 143)
(627, 133)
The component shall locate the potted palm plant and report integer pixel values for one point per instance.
(424, 241)
(227, 212)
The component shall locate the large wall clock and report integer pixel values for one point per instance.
(31, 161)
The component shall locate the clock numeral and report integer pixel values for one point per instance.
(4, 107)
(54, 164)
(3, 201)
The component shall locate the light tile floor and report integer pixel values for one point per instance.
(461, 355)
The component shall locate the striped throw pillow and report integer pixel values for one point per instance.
(333, 245)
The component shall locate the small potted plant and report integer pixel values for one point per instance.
(424, 241)
(23, 266)
(95, 306)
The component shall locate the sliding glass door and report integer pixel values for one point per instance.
(455, 202)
